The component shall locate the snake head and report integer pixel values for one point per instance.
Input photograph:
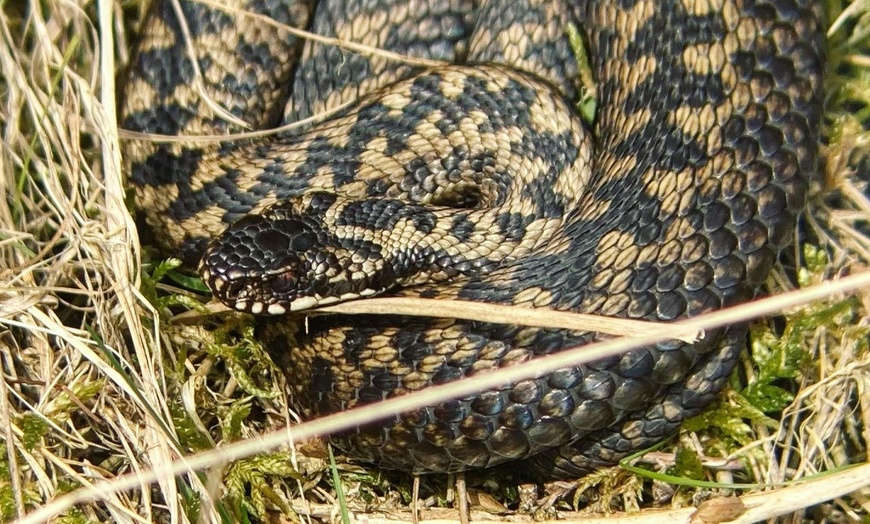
(318, 249)
(267, 263)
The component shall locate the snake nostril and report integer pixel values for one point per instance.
(230, 290)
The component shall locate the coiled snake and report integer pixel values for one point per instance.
(478, 180)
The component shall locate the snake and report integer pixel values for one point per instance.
(313, 154)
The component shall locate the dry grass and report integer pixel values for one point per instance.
(103, 397)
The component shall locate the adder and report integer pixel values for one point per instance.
(464, 171)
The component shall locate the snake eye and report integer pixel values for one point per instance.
(284, 283)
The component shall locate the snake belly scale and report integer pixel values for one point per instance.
(474, 178)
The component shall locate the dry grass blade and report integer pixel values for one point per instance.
(432, 308)
(109, 413)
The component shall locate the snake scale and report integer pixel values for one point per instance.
(474, 177)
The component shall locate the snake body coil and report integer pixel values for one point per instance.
(476, 179)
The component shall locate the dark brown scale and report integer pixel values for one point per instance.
(704, 142)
